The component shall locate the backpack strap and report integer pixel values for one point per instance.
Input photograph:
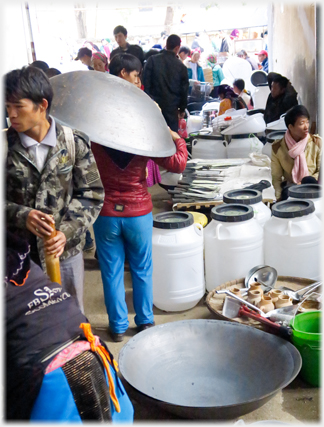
(70, 143)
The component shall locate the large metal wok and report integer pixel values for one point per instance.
(207, 369)
(112, 112)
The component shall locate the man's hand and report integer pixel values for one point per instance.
(56, 244)
(37, 223)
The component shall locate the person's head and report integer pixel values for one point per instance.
(225, 91)
(40, 64)
(51, 72)
(297, 121)
(278, 86)
(195, 55)
(28, 97)
(197, 34)
(120, 34)
(234, 34)
(150, 53)
(84, 54)
(173, 43)
(212, 59)
(238, 86)
(242, 54)
(184, 52)
(99, 62)
(262, 55)
(126, 66)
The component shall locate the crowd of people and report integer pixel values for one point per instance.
(56, 177)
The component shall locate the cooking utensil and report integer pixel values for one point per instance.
(127, 120)
(191, 368)
(263, 273)
(298, 295)
(242, 301)
(234, 308)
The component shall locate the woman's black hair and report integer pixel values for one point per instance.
(31, 83)
(184, 49)
(294, 113)
(124, 60)
(239, 83)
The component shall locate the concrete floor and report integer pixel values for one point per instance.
(298, 403)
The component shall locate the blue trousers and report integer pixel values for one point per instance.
(115, 238)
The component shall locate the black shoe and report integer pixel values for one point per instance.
(117, 337)
(141, 328)
(88, 246)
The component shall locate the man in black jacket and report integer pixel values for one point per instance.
(166, 81)
(120, 34)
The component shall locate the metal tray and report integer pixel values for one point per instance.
(215, 301)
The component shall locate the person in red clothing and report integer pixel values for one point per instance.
(125, 224)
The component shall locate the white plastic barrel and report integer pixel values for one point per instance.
(250, 197)
(178, 262)
(260, 96)
(292, 239)
(311, 192)
(241, 146)
(233, 243)
(208, 147)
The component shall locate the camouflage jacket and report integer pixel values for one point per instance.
(72, 193)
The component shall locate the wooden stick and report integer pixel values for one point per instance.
(52, 263)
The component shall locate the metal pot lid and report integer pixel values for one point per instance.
(258, 78)
(173, 220)
(243, 196)
(305, 191)
(275, 135)
(232, 212)
(112, 112)
(293, 208)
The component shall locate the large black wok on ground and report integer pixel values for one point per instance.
(207, 369)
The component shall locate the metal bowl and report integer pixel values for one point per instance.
(207, 369)
(261, 273)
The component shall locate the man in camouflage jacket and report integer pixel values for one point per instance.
(66, 185)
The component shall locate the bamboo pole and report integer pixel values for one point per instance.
(52, 263)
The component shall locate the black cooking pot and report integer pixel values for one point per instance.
(207, 369)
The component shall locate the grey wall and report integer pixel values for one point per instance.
(293, 50)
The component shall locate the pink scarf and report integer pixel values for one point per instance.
(296, 151)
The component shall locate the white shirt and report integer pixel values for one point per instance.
(193, 66)
(39, 150)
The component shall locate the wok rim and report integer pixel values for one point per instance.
(296, 369)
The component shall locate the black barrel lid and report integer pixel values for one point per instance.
(206, 136)
(232, 212)
(293, 208)
(243, 196)
(173, 220)
(259, 77)
(305, 191)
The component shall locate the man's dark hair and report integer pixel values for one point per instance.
(51, 72)
(184, 49)
(173, 41)
(28, 82)
(124, 60)
(42, 65)
(281, 80)
(82, 52)
(120, 29)
(239, 83)
(294, 113)
(197, 34)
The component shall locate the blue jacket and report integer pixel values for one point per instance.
(200, 73)
(265, 65)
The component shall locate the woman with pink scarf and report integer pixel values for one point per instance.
(296, 158)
